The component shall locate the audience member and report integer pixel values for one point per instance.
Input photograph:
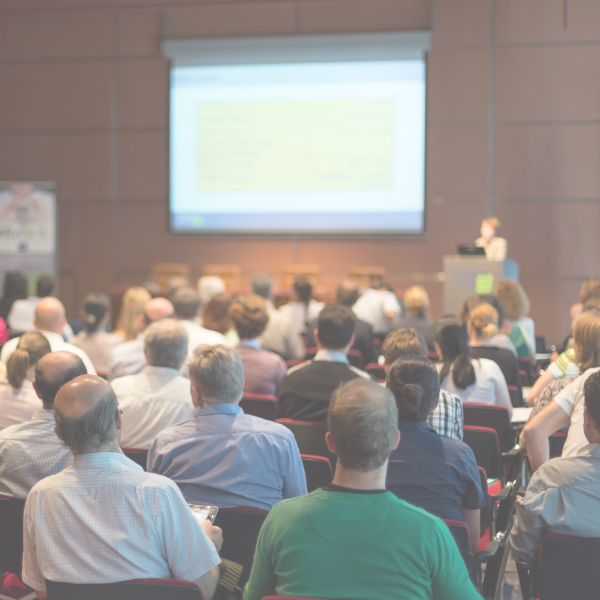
(302, 309)
(564, 494)
(589, 297)
(416, 302)
(104, 519)
(263, 370)
(15, 288)
(177, 283)
(50, 322)
(435, 473)
(186, 303)
(222, 456)
(159, 396)
(280, 335)
(306, 389)
(30, 451)
(352, 538)
(346, 295)
(94, 340)
(18, 400)
(516, 308)
(129, 358)
(216, 318)
(209, 286)
(379, 307)
(473, 380)
(447, 418)
(133, 305)
(495, 247)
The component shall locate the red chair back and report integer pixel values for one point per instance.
(486, 448)
(492, 416)
(310, 437)
(376, 371)
(516, 396)
(460, 533)
(318, 471)
(356, 359)
(11, 538)
(137, 455)
(259, 405)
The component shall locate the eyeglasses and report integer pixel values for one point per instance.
(119, 407)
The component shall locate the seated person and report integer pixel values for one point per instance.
(18, 400)
(138, 523)
(263, 370)
(478, 380)
(222, 456)
(516, 308)
(352, 538)
(563, 495)
(416, 302)
(306, 389)
(302, 309)
(495, 247)
(447, 417)
(159, 396)
(215, 317)
(29, 452)
(427, 470)
(379, 307)
(482, 325)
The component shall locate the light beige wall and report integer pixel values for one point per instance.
(84, 103)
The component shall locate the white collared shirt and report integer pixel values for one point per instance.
(338, 357)
(152, 400)
(56, 343)
(199, 336)
(127, 358)
(17, 405)
(104, 520)
(373, 307)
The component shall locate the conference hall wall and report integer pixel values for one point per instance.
(84, 103)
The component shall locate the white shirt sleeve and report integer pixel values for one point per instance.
(500, 387)
(32, 574)
(567, 398)
(390, 303)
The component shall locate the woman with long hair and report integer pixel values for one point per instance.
(416, 302)
(133, 305)
(302, 309)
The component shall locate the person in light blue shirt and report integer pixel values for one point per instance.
(221, 456)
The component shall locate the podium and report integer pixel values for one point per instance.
(469, 275)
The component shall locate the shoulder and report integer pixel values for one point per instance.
(359, 372)
(262, 426)
(121, 384)
(294, 370)
(449, 397)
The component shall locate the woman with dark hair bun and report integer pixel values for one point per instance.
(435, 473)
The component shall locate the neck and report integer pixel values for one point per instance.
(476, 341)
(112, 447)
(358, 480)
(218, 401)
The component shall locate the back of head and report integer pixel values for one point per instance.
(450, 333)
(216, 314)
(414, 382)
(484, 320)
(492, 222)
(347, 293)
(95, 307)
(219, 372)
(590, 290)
(335, 326)
(363, 420)
(50, 314)
(15, 286)
(165, 344)
(472, 301)
(186, 303)
(85, 409)
(303, 288)
(586, 336)
(209, 286)
(416, 301)
(53, 371)
(591, 394)
(176, 283)
(133, 305)
(249, 316)
(31, 347)
(44, 286)
(403, 342)
(157, 309)
(513, 298)
(262, 285)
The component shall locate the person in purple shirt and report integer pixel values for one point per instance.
(435, 473)
(263, 370)
(222, 456)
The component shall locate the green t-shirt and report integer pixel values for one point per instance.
(356, 546)
(517, 337)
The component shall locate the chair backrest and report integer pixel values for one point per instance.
(526, 364)
(495, 568)
(557, 441)
(460, 533)
(310, 437)
(356, 359)
(524, 377)
(137, 455)
(259, 405)
(137, 589)
(318, 471)
(11, 536)
(516, 396)
(486, 448)
(375, 370)
(492, 416)
(310, 353)
(241, 527)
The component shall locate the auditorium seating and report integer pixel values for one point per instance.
(493, 416)
(486, 448)
(259, 405)
(516, 397)
(137, 455)
(11, 539)
(376, 371)
(310, 437)
(318, 471)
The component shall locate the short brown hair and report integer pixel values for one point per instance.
(513, 298)
(416, 300)
(249, 316)
(586, 336)
(403, 342)
(589, 290)
(335, 326)
(484, 320)
(591, 394)
(219, 371)
(363, 420)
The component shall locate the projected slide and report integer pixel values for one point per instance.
(316, 147)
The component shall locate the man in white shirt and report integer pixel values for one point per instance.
(379, 307)
(159, 396)
(186, 303)
(30, 451)
(104, 519)
(563, 495)
(50, 321)
(129, 358)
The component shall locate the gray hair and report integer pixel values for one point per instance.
(165, 344)
(363, 420)
(95, 429)
(219, 372)
(262, 285)
(186, 303)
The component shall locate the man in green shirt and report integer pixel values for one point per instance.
(353, 539)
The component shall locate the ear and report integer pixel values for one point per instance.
(329, 442)
(438, 349)
(118, 418)
(36, 390)
(386, 367)
(63, 323)
(586, 418)
(316, 334)
(196, 395)
(57, 434)
(351, 342)
(142, 321)
(397, 439)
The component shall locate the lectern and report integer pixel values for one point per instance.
(470, 275)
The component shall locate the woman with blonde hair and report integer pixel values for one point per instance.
(134, 303)
(516, 308)
(416, 302)
(18, 399)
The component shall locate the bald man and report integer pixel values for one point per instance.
(129, 358)
(104, 519)
(30, 451)
(50, 321)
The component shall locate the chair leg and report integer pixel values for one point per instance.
(523, 574)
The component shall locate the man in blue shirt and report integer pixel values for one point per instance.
(221, 456)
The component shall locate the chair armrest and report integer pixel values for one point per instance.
(489, 552)
(514, 451)
(503, 494)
